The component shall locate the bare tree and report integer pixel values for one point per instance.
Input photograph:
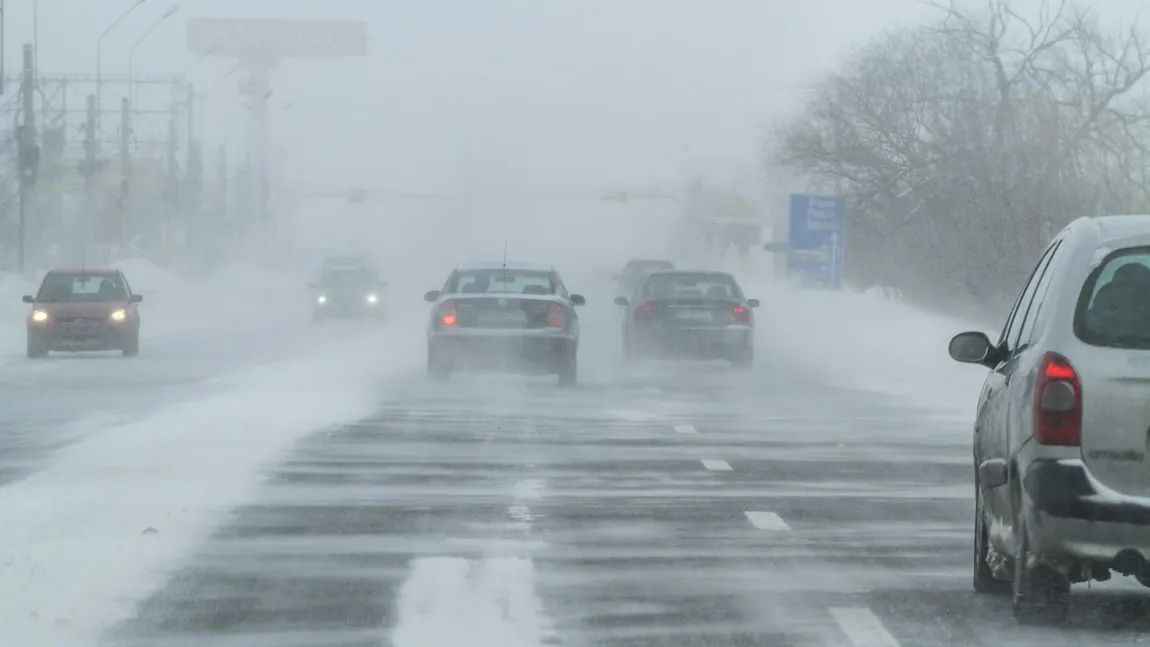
(965, 144)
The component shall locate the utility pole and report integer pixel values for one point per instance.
(89, 171)
(125, 173)
(193, 172)
(29, 156)
(3, 47)
(173, 184)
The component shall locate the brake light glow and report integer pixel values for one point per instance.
(643, 312)
(1057, 403)
(742, 315)
(447, 314)
(556, 318)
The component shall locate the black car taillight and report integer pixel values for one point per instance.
(643, 312)
(447, 314)
(556, 318)
(741, 314)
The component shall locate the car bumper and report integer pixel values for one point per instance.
(348, 309)
(694, 342)
(76, 338)
(1071, 515)
(513, 351)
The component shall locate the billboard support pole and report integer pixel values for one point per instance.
(259, 45)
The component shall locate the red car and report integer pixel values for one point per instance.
(84, 310)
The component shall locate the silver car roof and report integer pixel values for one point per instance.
(498, 265)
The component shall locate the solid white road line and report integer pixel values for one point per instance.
(766, 520)
(862, 627)
(686, 429)
(717, 465)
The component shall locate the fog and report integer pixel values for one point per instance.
(264, 474)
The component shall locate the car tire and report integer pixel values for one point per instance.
(983, 578)
(1041, 595)
(132, 346)
(744, 358)
(437, 369)
(569, 371)
(36, 349)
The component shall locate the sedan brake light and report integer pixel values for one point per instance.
(643, 312)
(556, 318)
(742, 314)
(447, 313)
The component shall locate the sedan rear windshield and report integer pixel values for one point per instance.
(502, 281)
(1114, 306)
(692, 286)
(61, 287)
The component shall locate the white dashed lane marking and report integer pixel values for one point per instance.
(717, 465)
(862, 627)
(766, 520)
(686, 429)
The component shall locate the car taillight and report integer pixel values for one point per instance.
(1057, 403)
(556, 318)
(447, 314)
(742, 315)
(643, 312)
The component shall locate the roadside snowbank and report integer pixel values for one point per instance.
(866, 340)
(85, 540)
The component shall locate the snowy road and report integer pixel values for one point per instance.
(677, 507)
(313, 488)
(56, 401)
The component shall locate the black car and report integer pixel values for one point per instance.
(348, 292)
(689, 314)
(518, 318)
(634, 271)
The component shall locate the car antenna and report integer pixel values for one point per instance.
(504, 262)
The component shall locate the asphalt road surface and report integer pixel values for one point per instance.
(56, 401)
(674, 505)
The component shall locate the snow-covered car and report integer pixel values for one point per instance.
(83, 310)
(348, 292)
(504, 317)
(679, 313)
(1061, 465)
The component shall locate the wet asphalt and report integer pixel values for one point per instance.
(673, 504)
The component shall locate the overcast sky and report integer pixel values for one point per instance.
(548, 92)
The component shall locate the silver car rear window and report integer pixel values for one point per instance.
(1114, 306)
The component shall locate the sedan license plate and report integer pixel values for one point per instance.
(507, 318)
(694, 315)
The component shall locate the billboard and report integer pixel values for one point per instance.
(244, 38)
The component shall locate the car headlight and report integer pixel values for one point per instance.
(371, 298)
(39, 315)
(321, 299)
(119, 315)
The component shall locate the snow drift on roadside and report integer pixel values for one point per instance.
(867, 340)
(76, 550)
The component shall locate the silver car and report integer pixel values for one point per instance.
(496, 316)
(1062, 482)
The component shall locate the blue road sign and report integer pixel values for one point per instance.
(816, 240)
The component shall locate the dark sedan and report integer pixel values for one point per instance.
(684, 314)
(348, 293)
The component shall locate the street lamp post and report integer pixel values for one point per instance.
(132, 51)
(99, 47)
